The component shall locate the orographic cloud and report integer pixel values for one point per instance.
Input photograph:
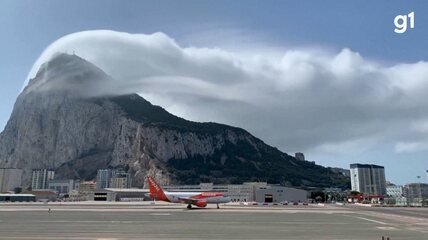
(303, 101)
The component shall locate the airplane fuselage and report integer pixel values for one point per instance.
(200, 199)
(213, 198)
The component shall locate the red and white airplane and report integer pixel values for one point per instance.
(199, 199)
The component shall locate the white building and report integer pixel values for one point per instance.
(103, 178)
(245, 192)
(394, 191)
(368, 179)
(41, 177)
(416, 193)
(202, 187)
(10, 178)
(63, 185)
(121, 180)
(277, 194)
(395, 195)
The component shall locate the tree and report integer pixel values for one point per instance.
(319, 196)
(353, 193)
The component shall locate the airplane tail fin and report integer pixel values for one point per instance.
(156, 190)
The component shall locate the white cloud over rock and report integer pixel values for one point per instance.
(303, 101)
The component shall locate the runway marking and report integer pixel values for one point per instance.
(160, 214)
(372, 220)
(386, 228)
(80, 238)
(418, 230)
(94, 221)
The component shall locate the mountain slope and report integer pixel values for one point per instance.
(57, 123)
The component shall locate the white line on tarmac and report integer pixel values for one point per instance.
(56, 238)
(387, 228)
(371, 220)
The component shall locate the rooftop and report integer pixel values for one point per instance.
(359, 165)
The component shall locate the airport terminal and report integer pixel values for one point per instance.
(115, 185)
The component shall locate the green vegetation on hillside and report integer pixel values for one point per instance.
(234, 162)
(241, 162)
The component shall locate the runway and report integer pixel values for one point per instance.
(165, 221)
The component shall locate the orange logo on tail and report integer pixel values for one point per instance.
(156, 191)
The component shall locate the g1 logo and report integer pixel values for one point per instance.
(400, 22)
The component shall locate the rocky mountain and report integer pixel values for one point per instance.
(57, 123)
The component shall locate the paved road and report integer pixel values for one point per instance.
(174, 222)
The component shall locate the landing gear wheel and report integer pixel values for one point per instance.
(218, 207)
(189, 206)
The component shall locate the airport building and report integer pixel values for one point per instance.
(237, 192)
(63, 186)
(43, 195)
(17, 197)
(41, 177)
(277, 194)
(368, 179)
(202, 187)
(247, 192)
(120, 194)
(102, 196)
(10, 178)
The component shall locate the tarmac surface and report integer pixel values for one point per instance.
(166, 221)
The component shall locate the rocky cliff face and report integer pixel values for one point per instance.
(56, 123)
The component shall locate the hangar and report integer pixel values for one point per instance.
(277, 194)
(17, 197)
(119, 194)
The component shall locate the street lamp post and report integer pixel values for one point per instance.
(420, 190)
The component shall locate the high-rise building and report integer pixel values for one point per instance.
(121, 179)
(368, 179)
(87, 186)
(63, 185)
(416, 192)
(10, 178)
(41, 177)
(103, 178)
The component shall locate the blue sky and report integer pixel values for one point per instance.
(366, 27)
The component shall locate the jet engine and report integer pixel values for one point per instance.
(201, 203)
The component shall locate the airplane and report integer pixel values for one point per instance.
(199, 199)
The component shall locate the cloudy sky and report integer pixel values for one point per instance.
(330, 79)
